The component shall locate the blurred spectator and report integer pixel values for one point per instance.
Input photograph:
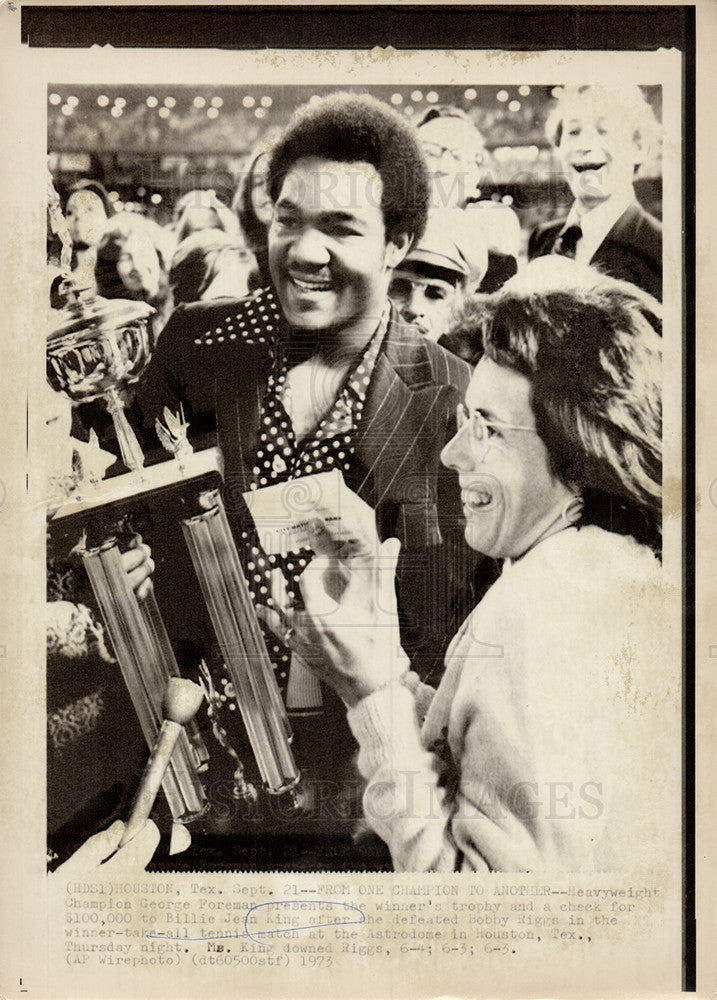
(198, 210)
(86, 212)
(602, 135)
(132, 263)
(455, 153)
(253, 206)
(210, 264)
(448, 262)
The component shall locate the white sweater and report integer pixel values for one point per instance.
(550, 704)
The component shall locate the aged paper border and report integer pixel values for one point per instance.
(29, 917)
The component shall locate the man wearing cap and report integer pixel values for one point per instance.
(447, 263)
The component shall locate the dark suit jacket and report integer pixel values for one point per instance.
(204, 360)
(632, 250)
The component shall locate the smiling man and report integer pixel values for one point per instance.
(602, 135)
(319, 372)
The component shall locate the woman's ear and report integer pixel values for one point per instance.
(397, 249)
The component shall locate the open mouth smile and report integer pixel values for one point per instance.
(476, 497)
(310, 284)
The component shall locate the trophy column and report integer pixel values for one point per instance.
(225, 590)
(147, 662)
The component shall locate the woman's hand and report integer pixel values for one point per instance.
(348, 635)
(139, 566)
(125, 862)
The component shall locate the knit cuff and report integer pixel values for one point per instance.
(384, 726)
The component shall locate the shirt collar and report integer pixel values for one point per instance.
(361, 376)
(597, 222)
(345, 413)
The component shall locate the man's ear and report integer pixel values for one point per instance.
(397, 249)
(639, 147)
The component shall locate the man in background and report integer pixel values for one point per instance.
(602, 134)
(446, 264)
(456, 156)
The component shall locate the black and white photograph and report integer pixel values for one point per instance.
(440, 306)
(356, 445)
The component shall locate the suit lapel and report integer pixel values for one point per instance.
(622, 233)
(398, 422)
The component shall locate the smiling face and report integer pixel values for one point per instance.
(328, 254)
(510, 497)
(599, 148)
(138, 266)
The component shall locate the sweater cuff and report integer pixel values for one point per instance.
(384, 726)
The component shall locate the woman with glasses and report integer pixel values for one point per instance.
(537, 750)
(456, 156)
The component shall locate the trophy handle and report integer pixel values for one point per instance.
(132, 454)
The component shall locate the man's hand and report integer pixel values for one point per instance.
(139, 566)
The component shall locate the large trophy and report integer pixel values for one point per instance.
(97, 348)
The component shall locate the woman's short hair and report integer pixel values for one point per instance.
(358, 128)
(590, 346)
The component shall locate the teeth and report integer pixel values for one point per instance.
(477, 498)
(311, 286)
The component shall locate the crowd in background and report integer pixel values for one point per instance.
(551, 432)
(210, 249)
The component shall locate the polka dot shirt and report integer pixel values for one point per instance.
(279, 457)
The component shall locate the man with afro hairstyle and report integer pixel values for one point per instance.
(319, 372)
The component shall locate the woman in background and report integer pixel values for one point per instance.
(132, 263)
(254, 209)
(210, 264)
(86, 212)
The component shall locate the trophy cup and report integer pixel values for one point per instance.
(97, 348)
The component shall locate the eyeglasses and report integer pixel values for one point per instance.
(436, 150)
(483, 429)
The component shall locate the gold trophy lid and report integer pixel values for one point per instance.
(94, 315)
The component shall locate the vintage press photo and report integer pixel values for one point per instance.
(506, 804)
